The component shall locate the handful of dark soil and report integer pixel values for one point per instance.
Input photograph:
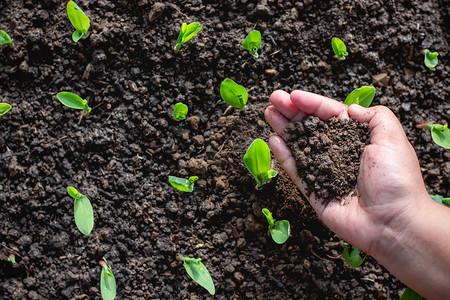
(327, 154)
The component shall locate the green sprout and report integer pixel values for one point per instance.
(430, 60)
(107, 282)
(279, 230)
(84, 215)
(410, 294)
(339, 48)
(234, 94)
(185, 185)
(79, 20)
(180, 111)
(12, 259)
(257, 161)
(352, 256)
(6, 39)
(187, 32)
(4, 108)
(440, 199)
(362, 96)
(198, 272)
(252, 43)
(74, 101)
(440, 134)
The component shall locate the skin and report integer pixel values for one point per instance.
(390, 216)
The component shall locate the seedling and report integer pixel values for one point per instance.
(107, 282)
(440, 134)
(430, 60)
(180, 111)
(185, 185)
(187, 32)
(6, 39)
(12, 259)
(440, 199)
(362, 96)
(198, 272)
(4, 108)
(339, 48)
(352, 256)
(84, 215)
(74, 101)
(79, 20)
(252, 43)
(279, 230)
(257, 161)
(410, 294)
(234, 94)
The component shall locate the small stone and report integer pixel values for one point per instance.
(238, 276)
(156, 11)
(322, 64)
(199, 140)
(24, 66)
(381, 80)
(271, 71)
(252, 225)
(198, 166)
(305, 65)
(241, 243)
(194, 121)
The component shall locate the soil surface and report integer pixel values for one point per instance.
(327, 154)
(120, 156)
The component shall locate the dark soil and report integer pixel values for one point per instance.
(327, 154)
(120, 157)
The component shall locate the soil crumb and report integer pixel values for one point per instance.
(327, 154)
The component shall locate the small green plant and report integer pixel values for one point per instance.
(252, 43)
(410, 294)
(74, 101)
(440, 134)
(79, 20)
(185, 185)
(352, 255)
(362, 96)
(198, 272)
(84, 215)
(234, 94)
(4, 108)
(257, 161)
(6, 39)
(187, 32)
(440, 199)
(12, 259)
(180, 111)
(107, 282)
(339, 48)
(279, 230)
(430, 60)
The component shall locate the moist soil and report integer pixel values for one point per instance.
(120, 156)
(327, 154)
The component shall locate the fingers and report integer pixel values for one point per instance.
(281, 100)
(276, 120)
(322, 107)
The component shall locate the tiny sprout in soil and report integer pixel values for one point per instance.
(440, 199)
(180, 111)
(339, 48)
(185, 185)
(84, 215)
(74, 101)
(440, 134)
(4, 108)
(198, 272)
(257, 161)
(234, 94)
(252, 43)
(12, 259)
(352, 256)
(430, 60)
(79, 20)
(107, 283)
(279, 230)
(6, 39)
(362, 96)
(187, 32)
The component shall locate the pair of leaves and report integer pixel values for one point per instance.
(185, 185)
(252, 43)
(4, 108)
(362, 96)
(187, 32)
(74, 101)
(440, 199)
(352, 256)
(79, 20)
(430, 59)
(279, 230)
(84, 215)
(180, 111)
(257, 161)
(234, 94)
(107, 283)
(339, 48)
(440, 134)
(5, 38)
(198, 272)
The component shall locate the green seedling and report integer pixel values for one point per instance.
(12, 259)
(74, 101)
(430, 60)
(440, 199)
(180, 111)
(187, 32)
(6, 39)
(252, 43)
(352, 256)
(107, 282)
(234, 94)
(198, 272)
(410, 294)
(79, 20)
(4, 108)
(339, 48)
(185, 185)
(257, 161)
(440, 134)
(84, 215)
(362, 96)
(279, 230)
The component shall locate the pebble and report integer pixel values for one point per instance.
(156, 11)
